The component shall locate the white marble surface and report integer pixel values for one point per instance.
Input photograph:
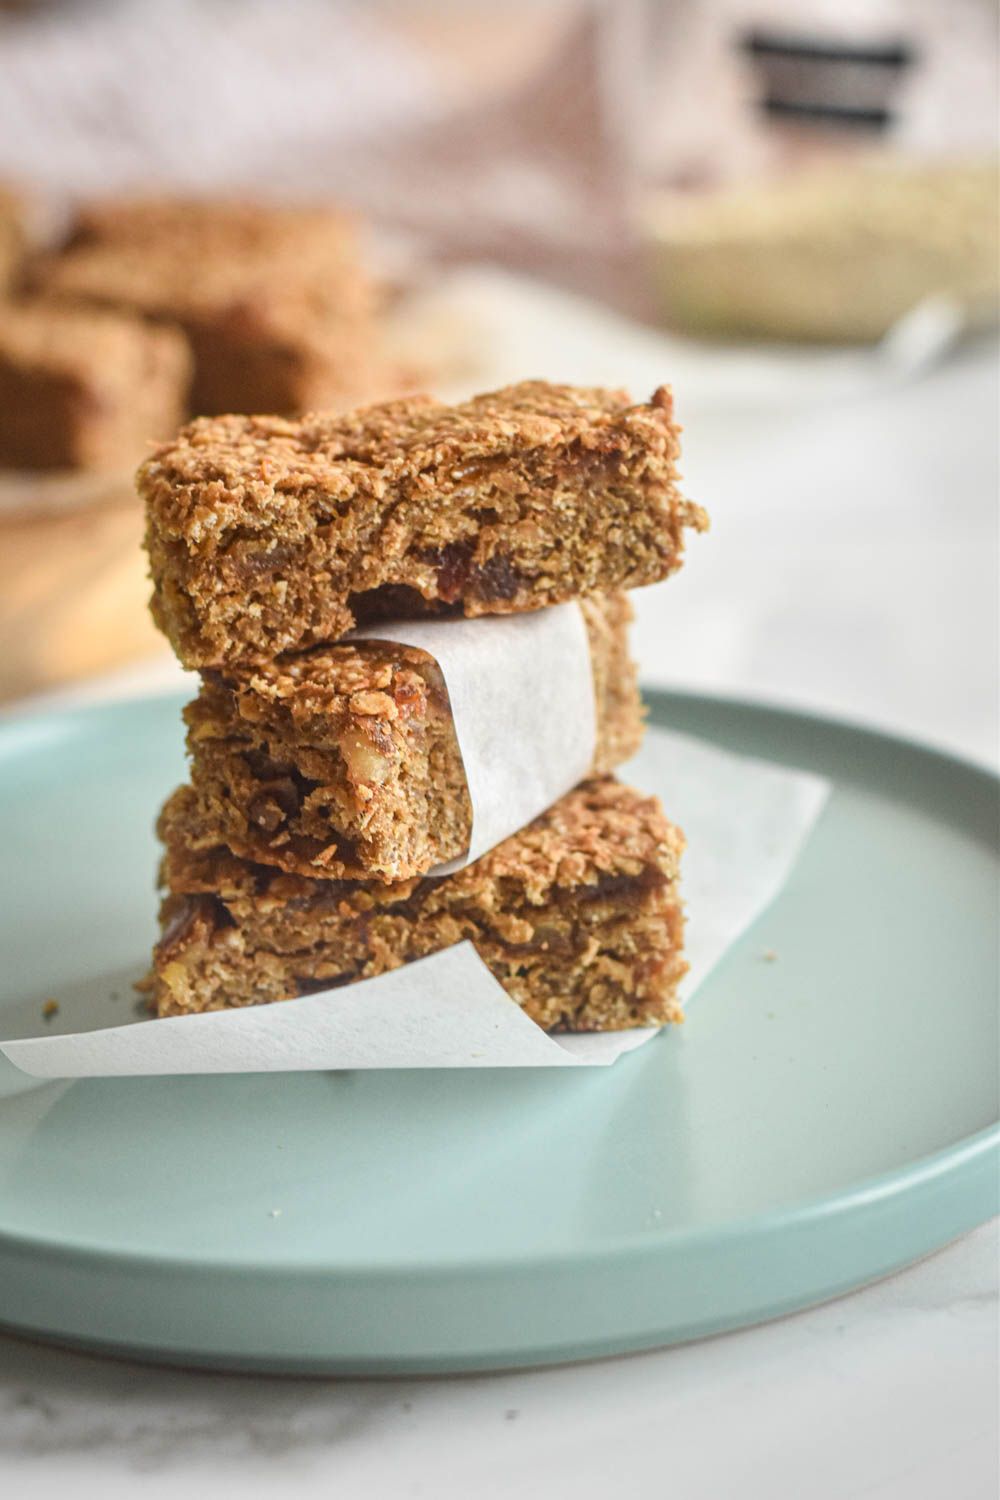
(852, 568)
(852, 564)
(889, 1393)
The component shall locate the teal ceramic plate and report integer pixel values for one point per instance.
(828, 1114)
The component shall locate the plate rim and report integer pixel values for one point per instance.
(968, 1153)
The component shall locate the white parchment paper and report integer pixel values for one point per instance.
(746, 822)
(522, 699)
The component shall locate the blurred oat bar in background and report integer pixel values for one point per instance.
(12, 234)
(275, 301)
(85, 389)
(151, 304)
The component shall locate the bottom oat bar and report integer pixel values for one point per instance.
(578, 916)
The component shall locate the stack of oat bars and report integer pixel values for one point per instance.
(326, 777)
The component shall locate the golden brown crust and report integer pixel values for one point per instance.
(343, 762)
(267, 536)
(578, 916)
(85, 389)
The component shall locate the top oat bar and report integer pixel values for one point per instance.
(267, 535)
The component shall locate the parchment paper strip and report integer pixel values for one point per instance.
(522, 698)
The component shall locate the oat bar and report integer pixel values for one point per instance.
(578, 916)
(13, 236)
(85, 389)
(267, 536)
(343, 762)
(274, 300)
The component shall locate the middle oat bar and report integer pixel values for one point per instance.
(343, 762)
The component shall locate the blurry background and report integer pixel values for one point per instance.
(786, 210)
